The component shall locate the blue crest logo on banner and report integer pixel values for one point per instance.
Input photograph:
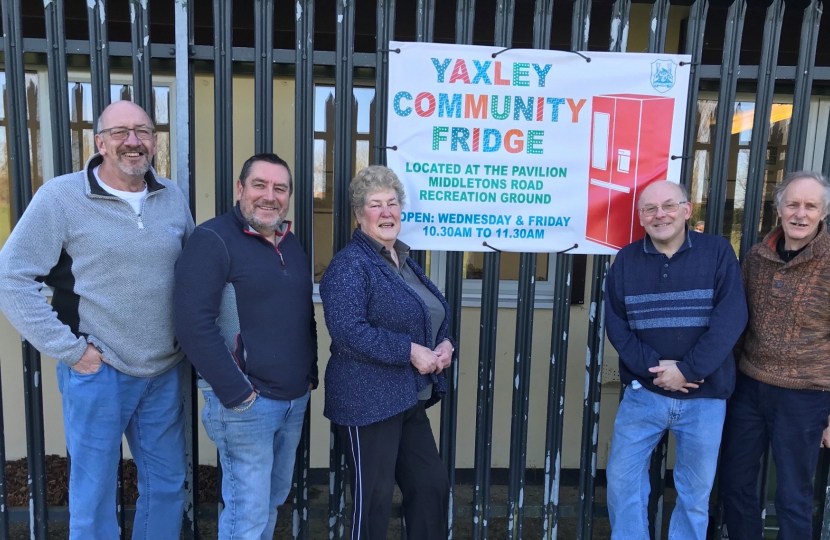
(663, 75)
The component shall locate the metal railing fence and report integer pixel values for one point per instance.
(224, 56)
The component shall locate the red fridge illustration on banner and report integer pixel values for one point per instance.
(630, 137)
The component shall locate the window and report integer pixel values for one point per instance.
(742, 120)
(35, 149)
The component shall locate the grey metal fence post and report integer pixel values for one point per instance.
(694, 46)
(343, 169)
(142, 81)
(21, 176)
(723, 128)
(304, 217)
(99, 58)
(263, 76)
(797, 141)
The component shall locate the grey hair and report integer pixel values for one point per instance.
(778, 194)
(370, 180)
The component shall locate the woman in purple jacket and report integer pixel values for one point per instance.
(389, 345)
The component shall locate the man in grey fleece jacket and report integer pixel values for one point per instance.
(106, 240)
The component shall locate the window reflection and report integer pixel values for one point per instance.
(738, 168)
(35, 150)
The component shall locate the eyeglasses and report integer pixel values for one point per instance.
(668, 207)
(121, 133)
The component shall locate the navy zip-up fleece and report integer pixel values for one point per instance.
(373, 317)
(690, 307)
(244, 312)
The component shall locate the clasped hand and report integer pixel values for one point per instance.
(670, 377)
(431, 361)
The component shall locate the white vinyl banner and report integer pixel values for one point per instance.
(530, 150)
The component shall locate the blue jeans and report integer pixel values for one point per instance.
(257, 448)
(642, 419)
(792, 421)
(98, 409)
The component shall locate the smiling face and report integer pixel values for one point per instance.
(131, 156)
(264, 196)
(801, 209)
(667, 230)
(381, 217)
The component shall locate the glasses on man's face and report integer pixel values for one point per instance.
(668, 207)
(121, 133)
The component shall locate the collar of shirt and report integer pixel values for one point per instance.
(401, 248)
(648, 245)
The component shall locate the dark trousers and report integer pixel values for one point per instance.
(792, 421)
(399, 449)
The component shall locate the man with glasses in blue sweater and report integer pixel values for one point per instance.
(675, 307)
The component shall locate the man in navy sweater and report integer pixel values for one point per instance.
(675, 307)
(245, 318)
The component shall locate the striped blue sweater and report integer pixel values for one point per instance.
(690, 307)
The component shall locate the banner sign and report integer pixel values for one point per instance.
(530, 150)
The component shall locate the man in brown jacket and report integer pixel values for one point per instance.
(781, 396)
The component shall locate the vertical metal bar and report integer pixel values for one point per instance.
(300, 526)
(58, 94)
(142, 81)
(304, 217)
(344, 137)
(715, 209)
(521, 395)
(385, 31)
(657, 466)
(449, 405)
(763, 485)
(543, 17)
(825, 165)
(185, 179)
(190, 527)
(657, 29)
(424, 30)
(797, 141)
(760, 126)
(343, 169)
(484, 400)
(304, 126)
(119, 494)
(263, 76)
(21, 175)
(694, 46)
(223, 105)
(825, 522)
(657, 479)
(591, 400)
(487, 337)
(4, 503)
(556, 392)
(465, 14)
(820, 490)
(580, 25)
(184, 102)
(99, 59)
(424, 20)
(503, 34)
(35, 440)
(223, 135)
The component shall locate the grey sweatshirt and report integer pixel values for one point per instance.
(111, 270)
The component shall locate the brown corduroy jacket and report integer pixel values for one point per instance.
(787, 339)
